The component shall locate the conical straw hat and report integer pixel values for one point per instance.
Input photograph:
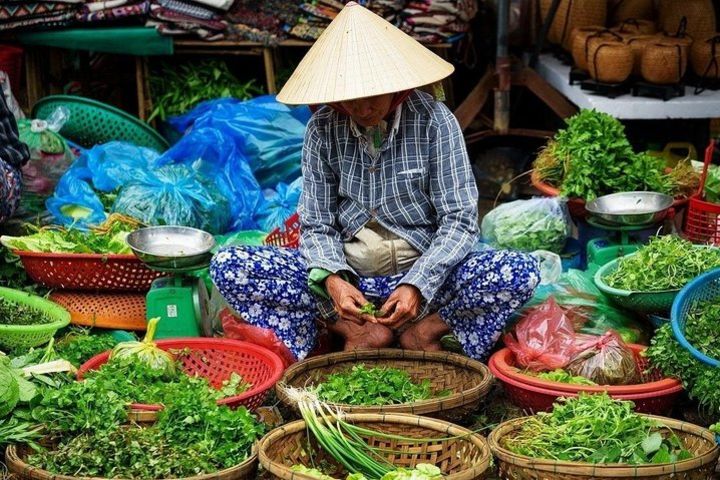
(361, 55)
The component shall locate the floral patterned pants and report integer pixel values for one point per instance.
(268, 287)
(10, 187)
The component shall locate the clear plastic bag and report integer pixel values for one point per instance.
(544, 339)
(528, 225)
(175, 195)
(605, 360)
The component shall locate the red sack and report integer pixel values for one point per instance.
(544, 339)
(238, 329)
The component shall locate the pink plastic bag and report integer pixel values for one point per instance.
(544, 339)
(238, 329)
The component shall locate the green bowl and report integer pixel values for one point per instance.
(16, 337)
(658, 303)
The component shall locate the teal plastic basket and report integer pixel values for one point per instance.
(649, 303)
(17, 337)
(92, 123)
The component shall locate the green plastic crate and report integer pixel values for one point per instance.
(16, 337)
(639, 302)
(92, 123)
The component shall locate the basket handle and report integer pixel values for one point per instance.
(709, 151)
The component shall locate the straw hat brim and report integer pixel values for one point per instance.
(361, 55)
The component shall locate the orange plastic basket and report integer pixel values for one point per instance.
(121, 311)
(702, 221)
(216, 359)
(81, 271)
(288, 237)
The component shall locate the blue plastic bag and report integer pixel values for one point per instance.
(175, 195)
(280, 204)
(75, 203)
(267, 134)
(183, 123)
(113, 164)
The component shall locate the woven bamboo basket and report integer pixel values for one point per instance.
(467, 379)
(638, 43)
(610, 61)
(664, 63)
(15, 460)
(705, 57)
(634, 27)
(580, 43)
(572, 14)
(699, 441)
(464, 457)
(621, 10)
(700, 16)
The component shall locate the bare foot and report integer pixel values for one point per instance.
(367, 336)
(425, 335)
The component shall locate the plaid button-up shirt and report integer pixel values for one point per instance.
(419, 185)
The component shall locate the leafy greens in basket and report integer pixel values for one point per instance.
(666, 263)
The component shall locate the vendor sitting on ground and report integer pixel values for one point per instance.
(388, 210)
(13, 155)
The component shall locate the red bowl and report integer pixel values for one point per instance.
(540, 395)
(216, 359)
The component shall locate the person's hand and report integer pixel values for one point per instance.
(347, 299)
(402, 305)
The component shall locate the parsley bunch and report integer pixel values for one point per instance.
(373, 386)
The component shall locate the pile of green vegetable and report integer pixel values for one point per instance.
(422, 471)
(596, 429)
(178, 88)
(712, 184)
(665, 263)
(12, 313)
(108, 238)
(78, 345)
(700, 380)
(560, 375)
(592, 157)
(374, 386)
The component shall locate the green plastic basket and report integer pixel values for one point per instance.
(16, 337)
(658, 303)
(92, 123)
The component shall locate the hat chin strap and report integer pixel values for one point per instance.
(398, 98)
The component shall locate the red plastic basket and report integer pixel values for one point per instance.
(216, 359)
(702, 221)
(11, 58)
(656, 395)
(288, 237)
(80, 271)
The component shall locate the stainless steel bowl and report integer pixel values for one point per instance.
(172, 247)
(630, 208)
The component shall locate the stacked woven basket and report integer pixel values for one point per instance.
(624, 39)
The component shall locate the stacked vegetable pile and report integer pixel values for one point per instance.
(596, 429)
(592, 157)
(374, 386)
(422, 471)
(665, 263)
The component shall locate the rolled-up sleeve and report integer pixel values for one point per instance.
(320, 241)
(12, 150)
(454, 196)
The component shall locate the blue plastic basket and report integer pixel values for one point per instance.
(703, 288)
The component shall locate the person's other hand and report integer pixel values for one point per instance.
(402, 306)
(348, 300)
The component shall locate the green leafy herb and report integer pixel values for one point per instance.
(79, 345)
(12, 313)
(374, 386)
(178, 88)
(561, 376)
(527, 225)
(370, 309)
(596, 429)
(666, 263)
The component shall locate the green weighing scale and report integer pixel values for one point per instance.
(179, 300)
(623, 216)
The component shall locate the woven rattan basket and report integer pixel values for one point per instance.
(572, 14)
(699, 15)
(621, 10)
(468, 380)
(664, 63)
(580, 43)
(638, 43)
(610, 61)
(636, 27)
(15, 459)
(459, 453)
(705, 57)
(699, 441)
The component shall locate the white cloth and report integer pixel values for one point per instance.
(376, 251)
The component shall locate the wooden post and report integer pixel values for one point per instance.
(269, 61)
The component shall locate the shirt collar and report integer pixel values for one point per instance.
(358, 132)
